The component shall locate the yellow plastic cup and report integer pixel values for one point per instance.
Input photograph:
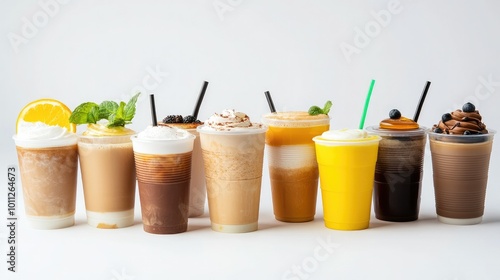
(346, 172)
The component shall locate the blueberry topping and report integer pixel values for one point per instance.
(394, 114)
(446, 117)
(469, 107)
(438, 130)
(472, 132)
(189, 119)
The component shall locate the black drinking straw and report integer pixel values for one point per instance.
(200, 99)
(153, 109)
(270, 102)
(421, 102)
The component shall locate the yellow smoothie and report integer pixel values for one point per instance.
(346, 171)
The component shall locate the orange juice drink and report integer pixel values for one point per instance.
(346, 160)
(293, 168)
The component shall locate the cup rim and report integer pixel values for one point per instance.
(302, 122)
(151, 140)
(235, 131)
(491, 132)
(375, 129)
(355, 142)
(105, 136)
(460, 138)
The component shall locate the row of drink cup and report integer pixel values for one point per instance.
(385, 167)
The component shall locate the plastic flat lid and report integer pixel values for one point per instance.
(396, 133)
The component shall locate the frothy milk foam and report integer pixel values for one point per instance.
(161, 135)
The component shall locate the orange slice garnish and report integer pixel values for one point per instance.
(49, 111)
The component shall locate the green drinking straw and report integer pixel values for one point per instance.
(367, 102)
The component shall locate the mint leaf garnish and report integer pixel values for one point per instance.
(327, 107)
(315, 110)
(116, 114)
(106, 108)
(81, 113)
(93, 115)
(129, 109)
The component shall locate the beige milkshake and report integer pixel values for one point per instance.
(108, 176)
(107, 162)
(48, 161)
(233, 152)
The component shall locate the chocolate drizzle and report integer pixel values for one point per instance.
(463, 123)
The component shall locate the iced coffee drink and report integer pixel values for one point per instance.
(48, 162)
(233, 152)
(293, 168)
(399, 169)
(197, 190)
(163, 164)
(108, 176)
(460, 148)
(107, 162)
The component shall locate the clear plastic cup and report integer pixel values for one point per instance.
(164, 172)
(346, 172)
(398, 173)
(48, 170)
(293, 168)
(109, 180)
(460, 165)
(233, 169)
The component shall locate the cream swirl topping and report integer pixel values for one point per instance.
(230, 119)
(42, 131)
(460, 122)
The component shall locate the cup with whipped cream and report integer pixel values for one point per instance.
(460, 149)
(108, 175)
(233, 153)
(163, 165)
(48, 162)
(399, 170)
(346, 160)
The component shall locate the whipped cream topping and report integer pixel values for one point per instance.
(42, 131)
(344, 134)
(230, 120)
(163, 133)
(41, 135)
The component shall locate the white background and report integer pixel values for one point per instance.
(80, 51)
